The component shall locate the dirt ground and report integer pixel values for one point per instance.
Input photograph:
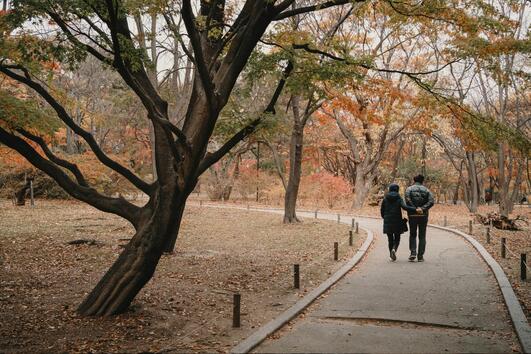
(188, 304)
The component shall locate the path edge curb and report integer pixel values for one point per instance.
(272, 326)
(518, 318)
(521, 326)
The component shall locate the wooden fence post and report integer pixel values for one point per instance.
(503, 241)
(236, 311)
(296, 277)
(32, 200)
(523, 268)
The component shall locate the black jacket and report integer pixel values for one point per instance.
(392, 213)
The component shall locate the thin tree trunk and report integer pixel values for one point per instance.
(503, 183)
(473, 183)
(295, 167)
(517, 183)
(397, 159)
(459, 179)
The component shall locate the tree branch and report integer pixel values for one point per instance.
(58, 161)
(195, 40)
(212, 158)
(65, 117)
(118, 206)
(311, 8)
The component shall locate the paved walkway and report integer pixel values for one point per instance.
(449, 303)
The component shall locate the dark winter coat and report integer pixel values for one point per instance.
(391, 211)
(419, 196)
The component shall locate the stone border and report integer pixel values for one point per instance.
(520, 324)
(263, 332)
(518, 317)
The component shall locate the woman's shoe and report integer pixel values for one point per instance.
(393, 255)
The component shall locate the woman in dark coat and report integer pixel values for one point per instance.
(391, 213)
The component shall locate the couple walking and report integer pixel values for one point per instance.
(418, 200)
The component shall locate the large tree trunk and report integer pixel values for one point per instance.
(295, 165)
(136, 265)
(361, 190)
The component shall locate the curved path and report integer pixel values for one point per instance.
(449, 303)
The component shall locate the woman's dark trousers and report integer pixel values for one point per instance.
(420, 223)
(394, 241)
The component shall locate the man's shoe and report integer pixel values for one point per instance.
(393, 255)
(420, 259)
(412, 257)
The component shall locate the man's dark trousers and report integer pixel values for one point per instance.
(419, 222)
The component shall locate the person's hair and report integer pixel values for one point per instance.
(394, 187)
(418, 178)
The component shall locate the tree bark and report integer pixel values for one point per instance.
(505, 202)
(473, 194)
(361, 190)
(396, 160)
(295, 165)
(136, 264)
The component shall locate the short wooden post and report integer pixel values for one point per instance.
(338, 218)
(470, 227)
(487, 234)
(353, 222)
(296, 277)
(350, 238)
(32, 200)
(336, 251)
(357, 228)
(503, 241)
(445, 221)
(523, 267)
(236, 311)
(316, 214)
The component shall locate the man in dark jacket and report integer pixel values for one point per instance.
(419, 197)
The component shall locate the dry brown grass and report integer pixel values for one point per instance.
(188, 304)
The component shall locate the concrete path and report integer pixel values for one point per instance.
(449, 303)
